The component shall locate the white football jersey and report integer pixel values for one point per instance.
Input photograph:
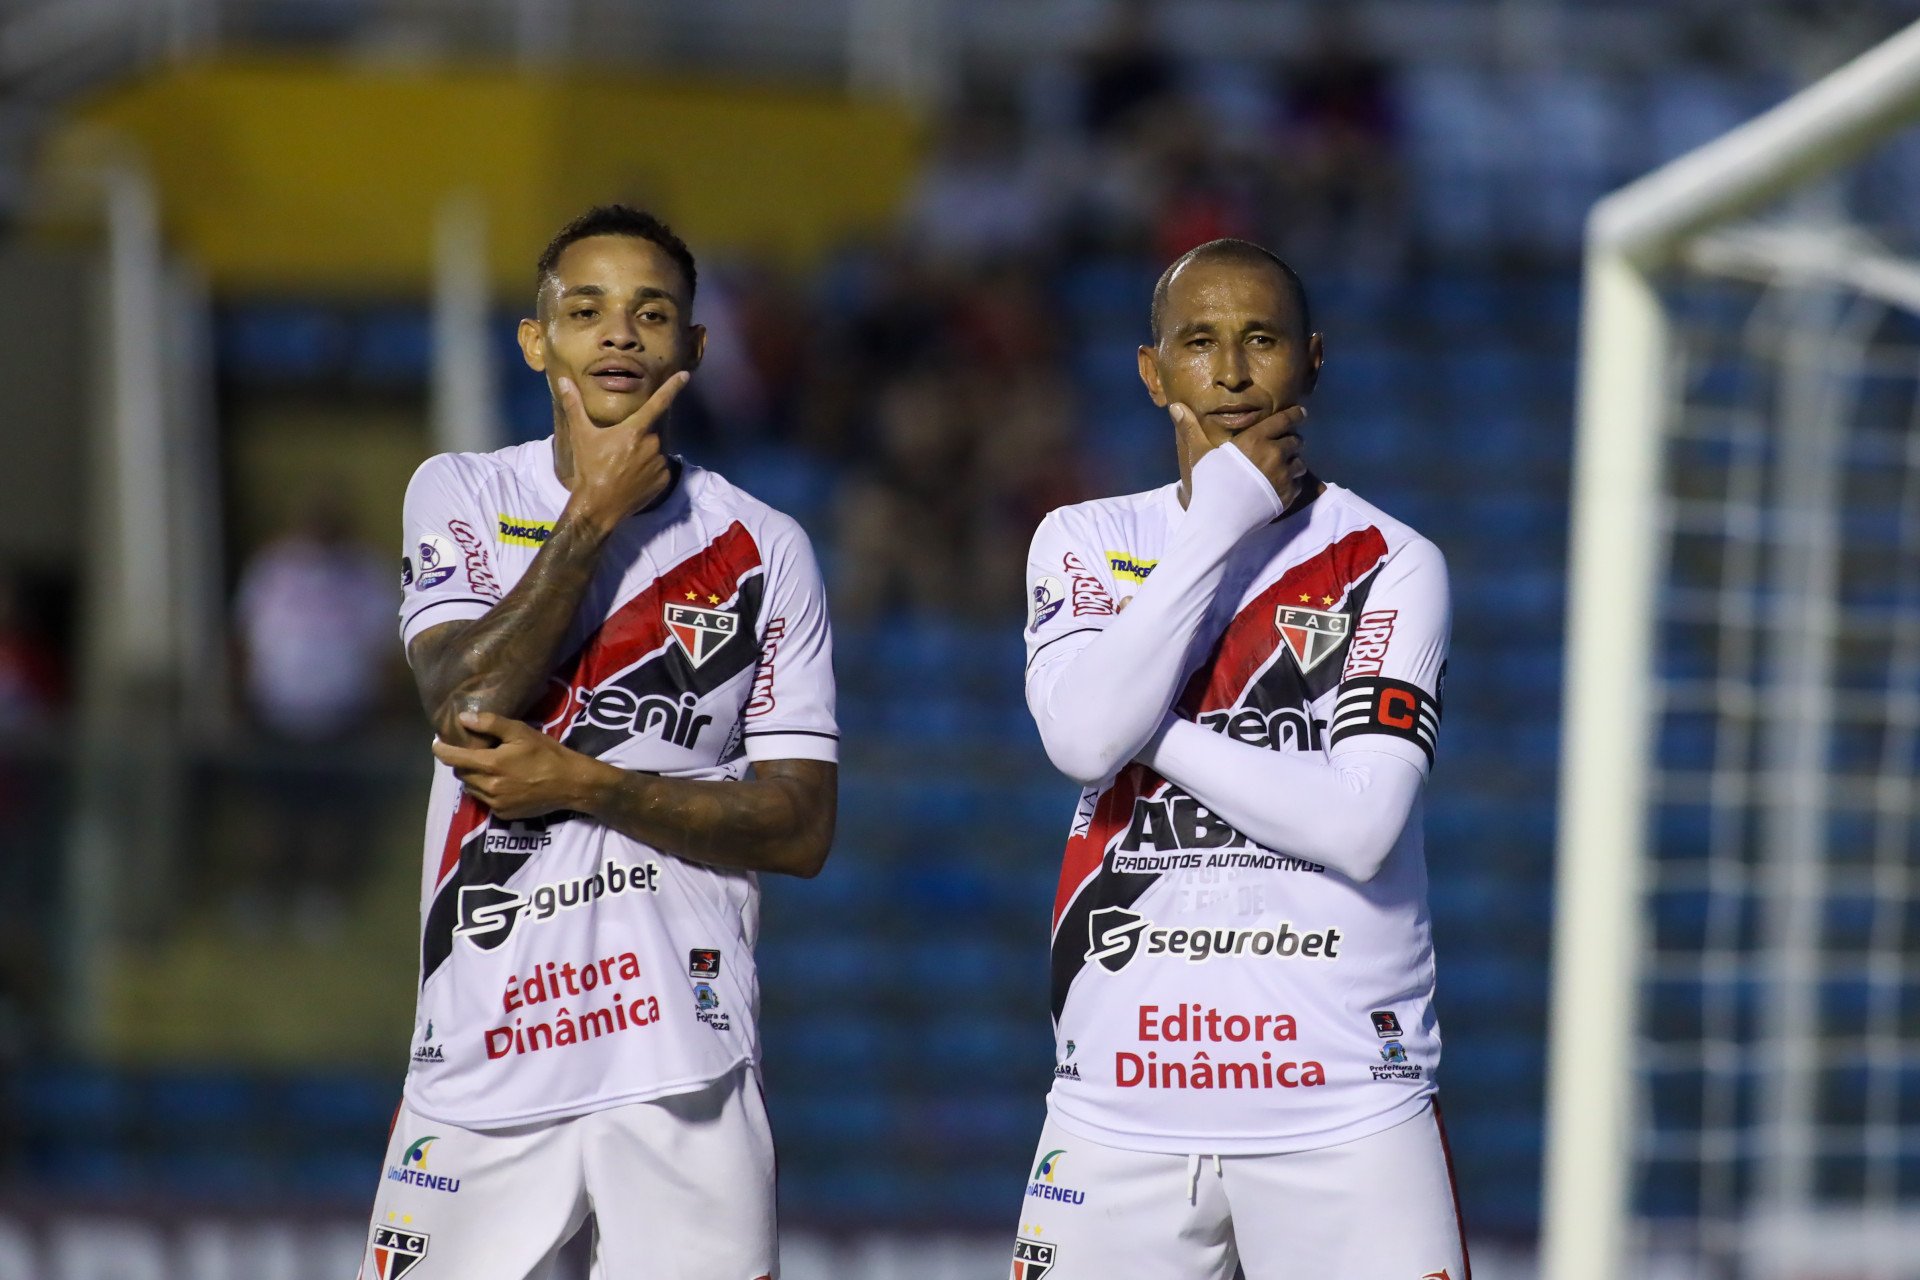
(564, 967)
(1210, 995)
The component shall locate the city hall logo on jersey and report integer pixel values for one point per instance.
(397, 1252)
(700, 632)
(1310, 634)
(1032, 1259)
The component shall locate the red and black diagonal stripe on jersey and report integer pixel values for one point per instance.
(1251, 642)
(1240, 667)
(632, 647)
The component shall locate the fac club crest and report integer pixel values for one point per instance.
(700, 632)
(1311, 634)
(1032, 1259)
(396, 1252)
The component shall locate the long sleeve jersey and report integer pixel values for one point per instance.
(1241, 960)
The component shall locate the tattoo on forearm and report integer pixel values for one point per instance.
(500, 662)
(783, 822)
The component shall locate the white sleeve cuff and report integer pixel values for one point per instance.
(791, 744)
(446, 609)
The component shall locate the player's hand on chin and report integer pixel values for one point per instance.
(618, 469)
(1273, 444)
(525, 775)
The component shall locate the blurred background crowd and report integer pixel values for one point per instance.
(927, 233)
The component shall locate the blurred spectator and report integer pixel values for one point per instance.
(1339, 180)
(31, 688)
(315, 621)
(315, 614)
(977, 198)
(1127, 72)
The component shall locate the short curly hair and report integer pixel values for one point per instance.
(617, 220)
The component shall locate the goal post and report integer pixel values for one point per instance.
(1685, 215)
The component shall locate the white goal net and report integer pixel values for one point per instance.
(1735, 1068)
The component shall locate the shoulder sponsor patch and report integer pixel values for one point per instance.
(1311, 635)
(438, 560)
(521, 531)
(1375, 704)
(1129, 568)
(1045, 600)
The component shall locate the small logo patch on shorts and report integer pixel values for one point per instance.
(1032, 1259)
(397, 1252)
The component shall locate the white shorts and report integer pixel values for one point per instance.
(680, 1188)
(1377, 1208)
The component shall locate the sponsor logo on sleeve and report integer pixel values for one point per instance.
(1311, 635)
(1067, 1068)
(406, 572)
(1047, 598)
(397, 1251)
(1090, 596)
(1129, 568)
(478, 563)
(437, 560)
(1386, 1025)
(1372, 637)
(520, 531)
(699, 631)
(1391, 708)
(703, 962)
(1032, 1259)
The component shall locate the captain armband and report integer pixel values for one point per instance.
(1377, 705)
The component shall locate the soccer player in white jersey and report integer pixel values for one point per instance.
(1243, 669)
(627, 663)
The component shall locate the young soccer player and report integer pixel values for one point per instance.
(1243, 669)
(628, 666)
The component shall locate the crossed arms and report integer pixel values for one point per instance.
(1102, 698)
(477, 677)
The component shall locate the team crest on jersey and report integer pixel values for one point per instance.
(1032, 1259)
(1310, 634)
(700, 632)
(397, 1252)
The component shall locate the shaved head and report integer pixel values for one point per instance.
(1233, 253)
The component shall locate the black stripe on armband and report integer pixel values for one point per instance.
(1394, 708)
(787, 733)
